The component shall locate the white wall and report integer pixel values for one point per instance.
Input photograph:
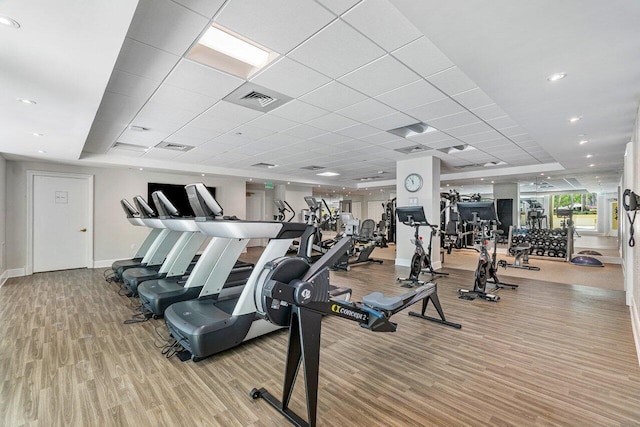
(3, 216)
(114, 237)
(428, 196)
(631, 255)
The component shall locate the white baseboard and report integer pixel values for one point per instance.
(3, 277)
(15, 272)
(635, 326)
(103, 263)
(403, 262)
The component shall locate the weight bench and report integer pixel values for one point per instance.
(521, 252)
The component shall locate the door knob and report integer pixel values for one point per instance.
(84, 230)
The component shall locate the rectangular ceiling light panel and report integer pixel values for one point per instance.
(224, 50)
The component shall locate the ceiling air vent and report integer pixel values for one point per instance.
(130, 147)
(257, 97)
(265, 165)
(260, 98)
(313, 168)
(413, 149)
(174, 146)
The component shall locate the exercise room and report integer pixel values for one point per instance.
(319, 213)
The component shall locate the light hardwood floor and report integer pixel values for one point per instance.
(546, 354)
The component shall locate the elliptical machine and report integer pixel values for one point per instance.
(414, 216)
(482, 215)
(283, 207)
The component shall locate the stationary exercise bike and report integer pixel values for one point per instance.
(482, 215)
(414, 216)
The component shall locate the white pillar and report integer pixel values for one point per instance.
(427, 196)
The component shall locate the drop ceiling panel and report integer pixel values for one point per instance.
(161, 154)
(118, 108)
(498, 142)
(166, 25)
(366, 110)
(502, 122)
(489, 112)
(423, 57)
(481, 137)
(381, 138)
(359, 131)
(290, 78)
(298, 111)
(273, 123)
(412, 95)
(336, 50)
(390, 33)
(392, 121)
(443, 143)
(467, 130)
(224, 117)
(452, 81)
(251, 132)
(430, 138)
(454, 120)
(206, 8)
(204, 80)
(278, 25)
(333, 96)
(278, 140)
(178, 98)
(474, 98)
(380, 76)
(332, 122)
(304, 131)
(131, 85)
(513, 132)
(144, 60)
(338, 6)
(434, 110)
(197, 155)
(102, 135)
(146, 139)
(162, 116)
(330, 139)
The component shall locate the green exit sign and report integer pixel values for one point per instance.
(268, 185)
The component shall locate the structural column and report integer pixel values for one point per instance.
(427, 196)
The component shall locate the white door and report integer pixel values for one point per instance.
(356, 210)
(255, 212)
(375, 210)
(62, 223)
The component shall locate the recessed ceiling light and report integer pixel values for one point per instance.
(41, 151)
(597, 177)
(288, 182)
(27, 101)
(216, 39)
(493, 182)
(318, 185)
(588, 156)
(8, 22)
(582, 142)
(140, 169)
(37, 134)
(328, 174)
(541, 173)
(591, 165)
(574, 119)
(250, 179)
(481, 179)
(202, 174)
(447, 185)
(343, 188)
(548, 177)
(556, 76)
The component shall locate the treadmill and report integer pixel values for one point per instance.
(208, 325)
(158, 294)
(158, 248)
(176, 260)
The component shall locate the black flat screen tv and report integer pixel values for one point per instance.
(176, 194)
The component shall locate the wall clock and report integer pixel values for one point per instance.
(413, 182)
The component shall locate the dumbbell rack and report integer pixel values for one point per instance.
(554, 243)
